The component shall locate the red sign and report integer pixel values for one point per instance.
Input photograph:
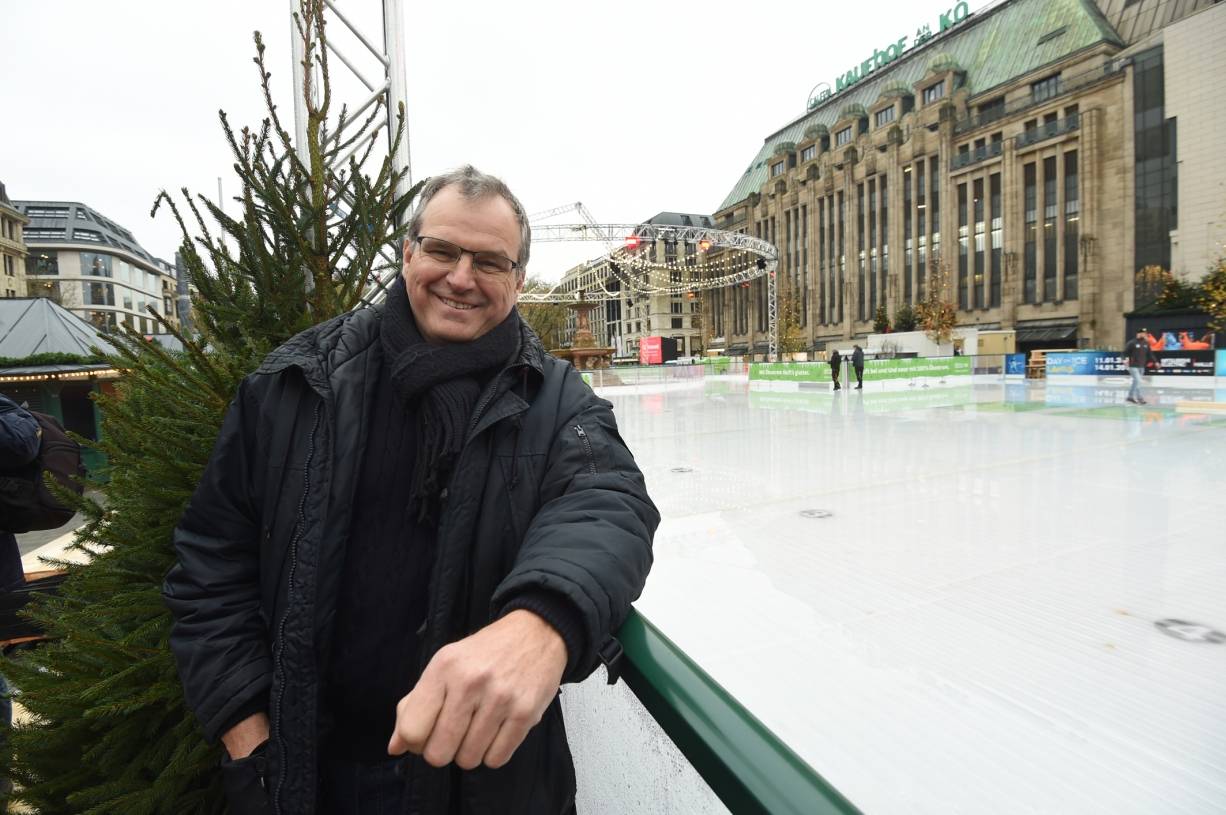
(650, 351)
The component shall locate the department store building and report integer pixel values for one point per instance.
(1027, 159)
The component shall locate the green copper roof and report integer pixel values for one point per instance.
(992, 47)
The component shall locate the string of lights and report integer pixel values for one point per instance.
(735, 258)
(104, 373)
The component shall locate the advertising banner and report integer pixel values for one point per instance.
(1110, 363)
(1221, 363)
(917, 367)
(1015, 364)
(875, 370)
(790, 372)
(1181, 340)
(1081, 363)
(1185, 363)
(650, 352)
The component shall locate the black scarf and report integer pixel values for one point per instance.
(442, 380)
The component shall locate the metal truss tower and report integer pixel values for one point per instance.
(389, 87)
(386, 85)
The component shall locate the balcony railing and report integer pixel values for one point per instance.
(977, 155)
(1047, 130)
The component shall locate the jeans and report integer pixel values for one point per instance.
(353, 788)
(1135, 391)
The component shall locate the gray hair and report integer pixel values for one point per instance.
(474, 185)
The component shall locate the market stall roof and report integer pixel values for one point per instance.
(36, 325)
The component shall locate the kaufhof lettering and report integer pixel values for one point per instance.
(879, 58)
(892, 51)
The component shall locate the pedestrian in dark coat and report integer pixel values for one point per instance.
(415, 524)
(19, 441)
(1139, 355)
(836, 362)
(857, 364)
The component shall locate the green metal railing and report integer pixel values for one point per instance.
(743, 762)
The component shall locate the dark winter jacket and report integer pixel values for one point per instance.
(19, 438)
(1139, 353)
(857, 359)
(836, 362)
(545, 497)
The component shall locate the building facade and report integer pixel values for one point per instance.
(1019, 165)
(95, 268)
(12, 248)
(629, 316)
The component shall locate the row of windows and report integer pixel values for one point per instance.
(980, 250)
(1050, 264)
(881, 118)
(104, 294)
(82, 215)
(36, 233)
(1045, 278)
(109, 320)
(96, 264)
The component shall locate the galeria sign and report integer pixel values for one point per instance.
(892, 51)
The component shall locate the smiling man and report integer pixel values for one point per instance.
(414, 526)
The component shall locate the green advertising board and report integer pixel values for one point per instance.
(789, 372)
(875, 370)
(869, 402)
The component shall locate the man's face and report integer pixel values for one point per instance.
(457, 303)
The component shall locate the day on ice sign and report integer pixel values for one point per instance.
(892, 51)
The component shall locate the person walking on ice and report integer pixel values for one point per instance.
(1138, 354)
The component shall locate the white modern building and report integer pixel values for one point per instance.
(94, 267)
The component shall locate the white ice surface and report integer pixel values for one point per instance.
(972, 628)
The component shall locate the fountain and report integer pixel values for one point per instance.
(583, 352)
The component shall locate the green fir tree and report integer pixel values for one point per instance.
(904, 318)
(881, 320)
(110, 732)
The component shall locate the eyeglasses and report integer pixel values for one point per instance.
(447, 253)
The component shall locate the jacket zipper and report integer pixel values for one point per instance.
(486, 398)
(587, 448)
(444, 517)
(293, 567)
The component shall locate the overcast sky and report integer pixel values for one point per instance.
(630, 107)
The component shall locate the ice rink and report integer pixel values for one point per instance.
(992, 598)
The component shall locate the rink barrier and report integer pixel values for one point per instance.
(746, 765)
(916, 370)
